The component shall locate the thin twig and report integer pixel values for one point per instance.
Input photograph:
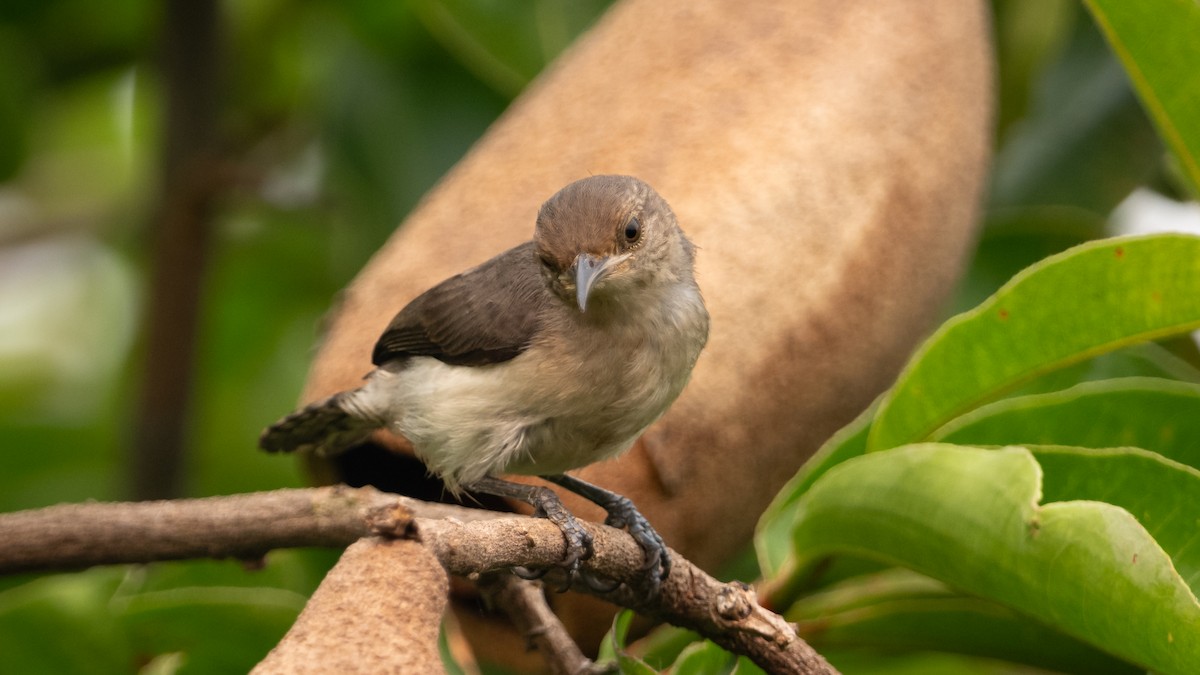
(525, 604)
(246, 526)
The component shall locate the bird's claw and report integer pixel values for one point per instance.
(597, 584)
(656, 566)
(578, 540)
(622, 514)
(529, 574)
(579, 546)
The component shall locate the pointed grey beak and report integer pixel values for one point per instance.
(589, 270)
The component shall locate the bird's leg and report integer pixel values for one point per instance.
(623, 514)
(546, 505)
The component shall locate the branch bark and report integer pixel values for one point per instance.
(75, 536)
(466, 542)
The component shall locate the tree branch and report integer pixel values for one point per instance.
(728, 614)
(525, 604)
(467, 542)
(246, 526)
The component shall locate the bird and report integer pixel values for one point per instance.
(551, 356)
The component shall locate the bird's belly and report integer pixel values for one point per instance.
(551, 449)
(466, 423)
(599, 415)
(558, 444)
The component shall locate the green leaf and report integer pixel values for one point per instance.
(1143, 412)
(772, 539)
(614, 641)
(973, 519)
(1089, 300)
(703, 658)
(1120, 476)
(1156, 40)
(612, 648)
(185, 620)
(449, 663)
(506, 44)
(664, 644)
(1028, 36)
(900, 610)
(1015, 238)
(1148, 359)
(16, 100)
(177, 608)
(864, 662)
(62, 624)
(631, 665)
(1085, 141)
(747, 667)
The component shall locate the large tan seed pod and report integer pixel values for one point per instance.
(827, 158)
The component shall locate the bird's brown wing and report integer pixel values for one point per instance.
(487, 314)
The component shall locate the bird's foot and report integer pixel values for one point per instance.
(656, 564)
(546, 504)
(622, 514)
(579, 541)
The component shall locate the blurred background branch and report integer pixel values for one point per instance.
(181, 233)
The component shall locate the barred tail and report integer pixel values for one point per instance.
(327, 427)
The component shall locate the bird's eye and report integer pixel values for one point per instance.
(633, 230)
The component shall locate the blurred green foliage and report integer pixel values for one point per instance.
(341, 115)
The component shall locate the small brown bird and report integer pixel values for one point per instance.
(551, 356)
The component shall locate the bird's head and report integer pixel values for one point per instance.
(602, 238)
